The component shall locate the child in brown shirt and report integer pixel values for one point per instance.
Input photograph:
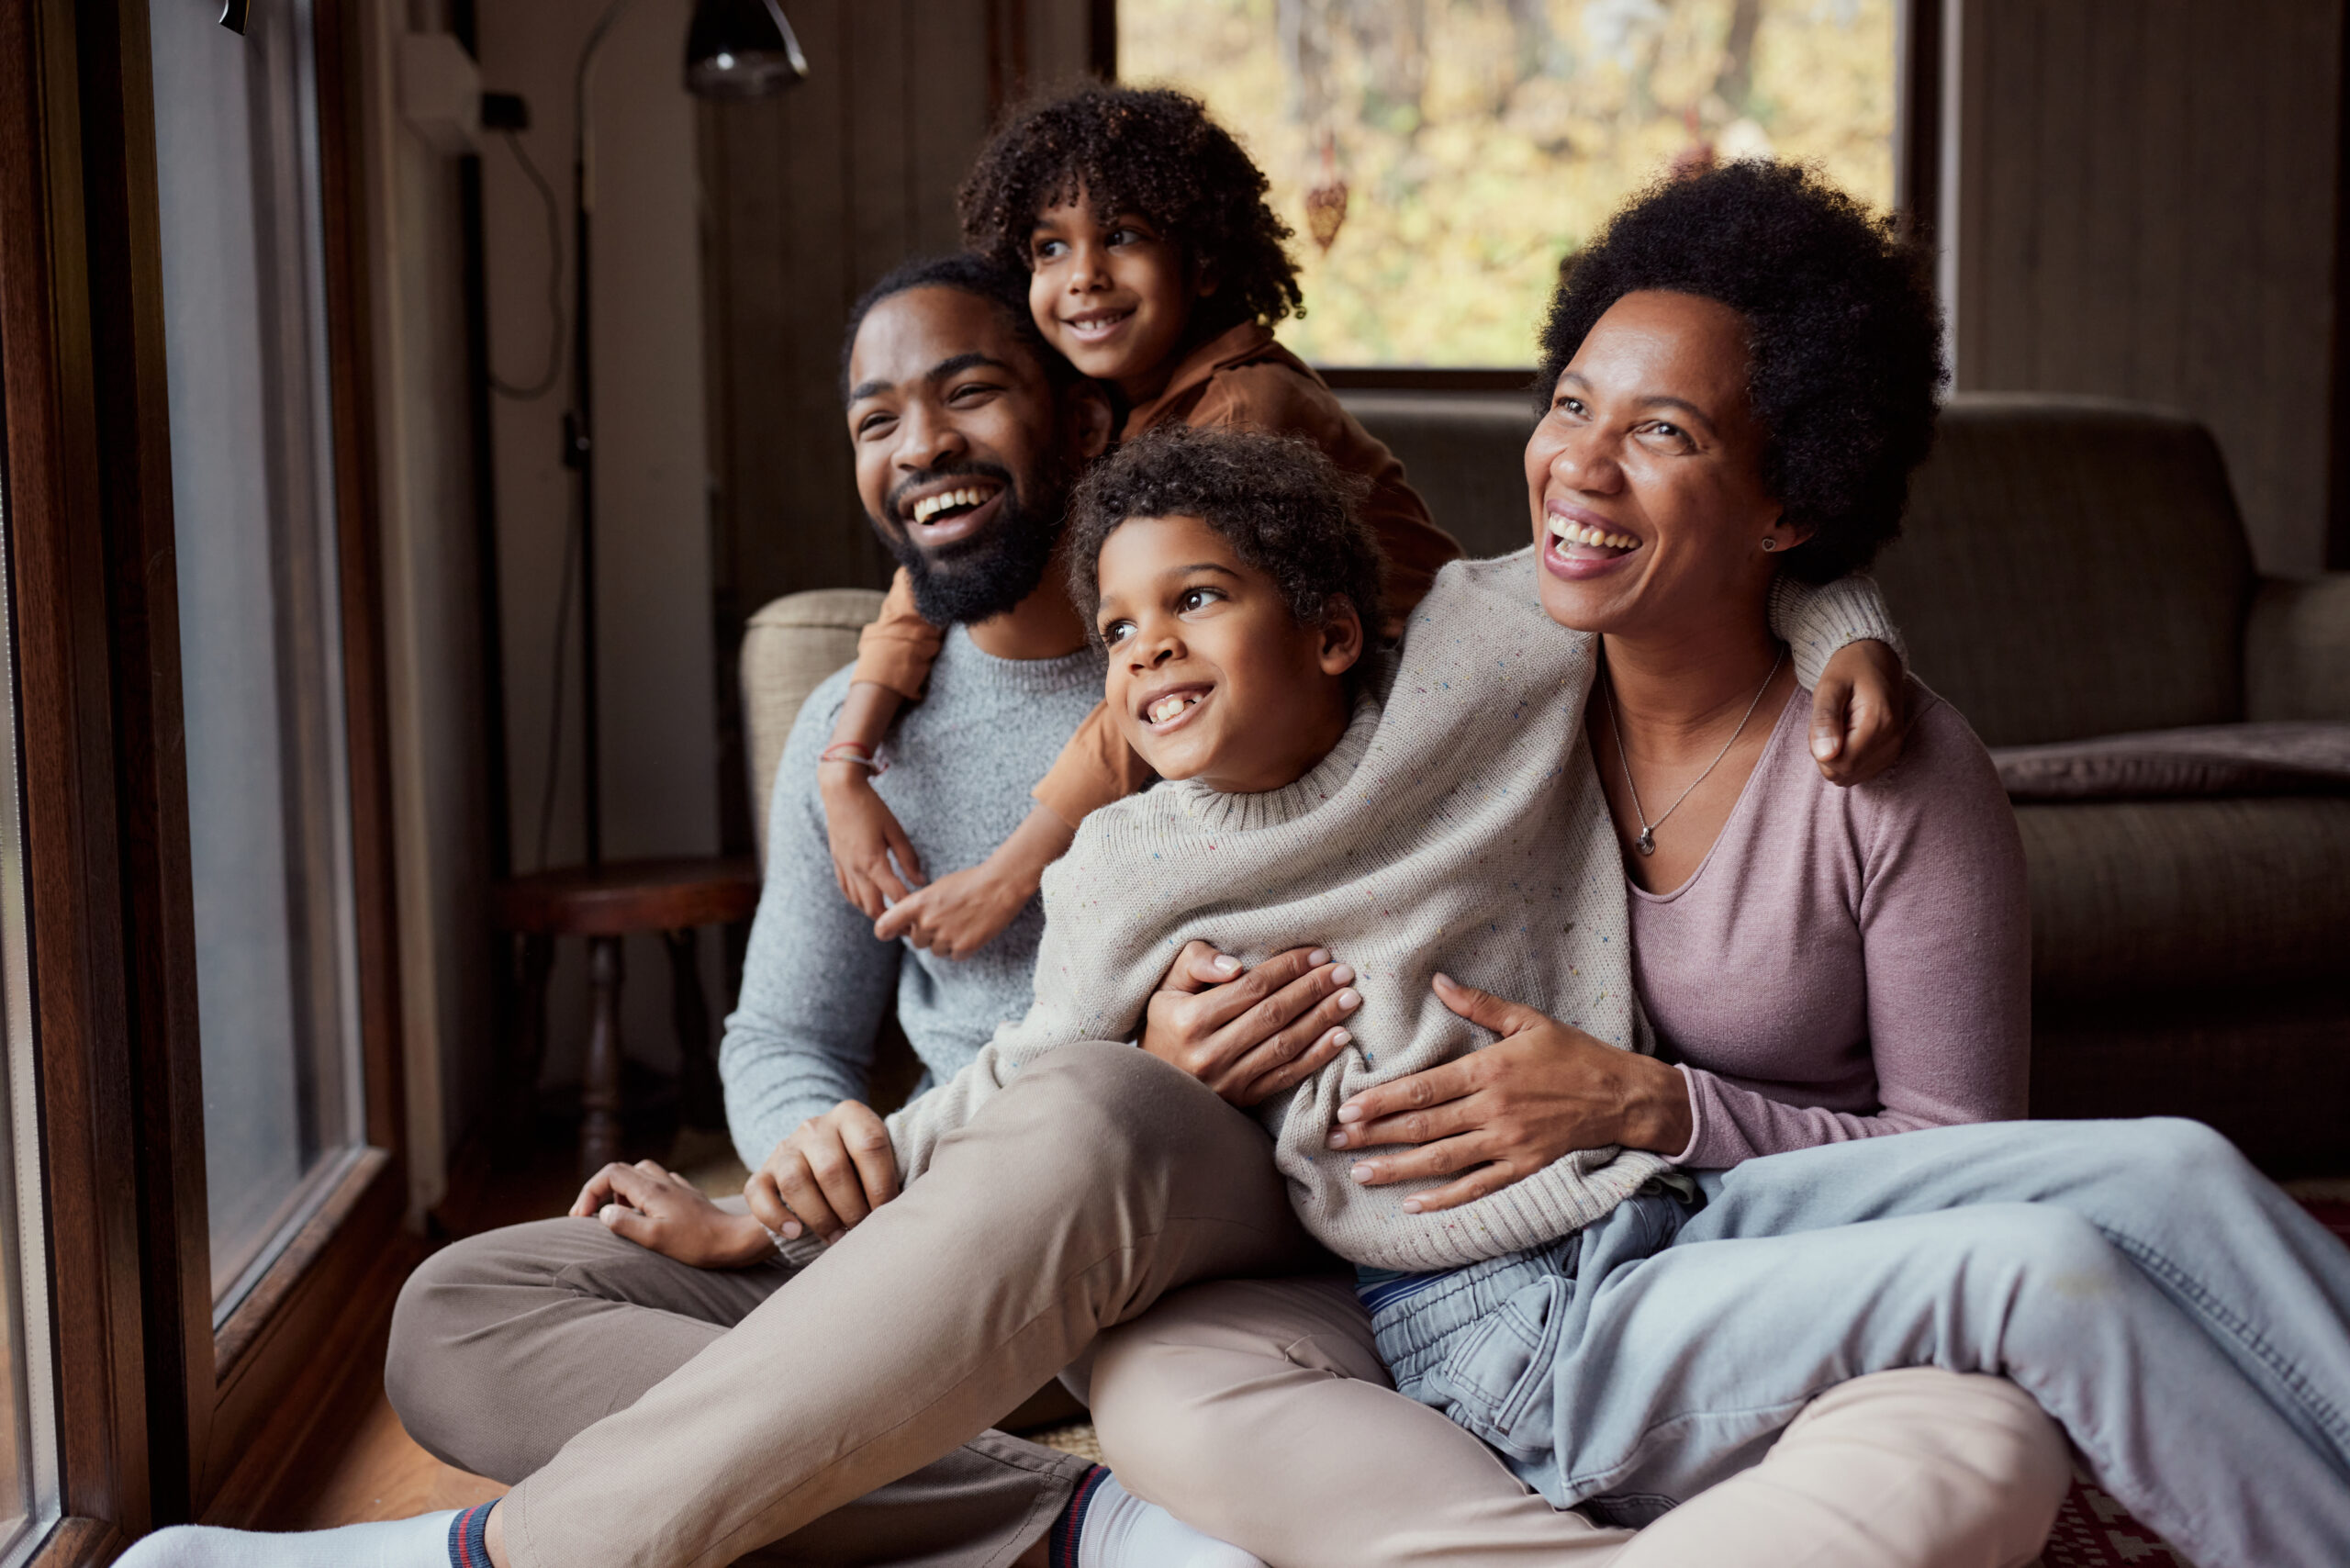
(1157, 267)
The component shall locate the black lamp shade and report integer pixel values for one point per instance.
(741, 49)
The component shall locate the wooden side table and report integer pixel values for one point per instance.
(604, 903)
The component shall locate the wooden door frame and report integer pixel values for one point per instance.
(161, 1420)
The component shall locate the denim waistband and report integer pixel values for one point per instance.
(1415, 1317)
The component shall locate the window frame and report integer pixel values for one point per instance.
(1918, 65)
(159, 1417)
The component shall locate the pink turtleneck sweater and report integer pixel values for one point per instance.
(1846, 963)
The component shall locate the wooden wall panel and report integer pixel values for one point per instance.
(2146, 208)
(811, 198)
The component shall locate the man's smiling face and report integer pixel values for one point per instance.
(964, 450)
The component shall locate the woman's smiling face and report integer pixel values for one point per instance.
(1645, 476)
(1211, 677)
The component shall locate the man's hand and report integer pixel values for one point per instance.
(1543, 1090)
(864, 833)
(1859, 715)
(1251, 1036)
(829, 1174)
(663, 1212)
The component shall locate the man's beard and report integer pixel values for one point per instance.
(982, 577)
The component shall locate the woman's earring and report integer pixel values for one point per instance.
(1770, 544)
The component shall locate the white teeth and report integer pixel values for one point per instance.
(1167, 708)
(931, 506)
(1580, 533)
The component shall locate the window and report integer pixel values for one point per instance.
(253, 515)
(1479, 141)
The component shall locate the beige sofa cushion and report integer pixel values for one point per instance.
(2073, 566)
(2130, 897)
(788, 647)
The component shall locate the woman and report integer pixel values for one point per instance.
(1741, 376)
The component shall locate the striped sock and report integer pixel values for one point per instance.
(1105, 1526)
(469, 1536)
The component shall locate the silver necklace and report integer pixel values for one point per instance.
(1646, 842)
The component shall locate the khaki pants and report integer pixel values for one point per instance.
(675, 1418)
(1258, 1412)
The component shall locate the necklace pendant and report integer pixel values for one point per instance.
(1646, 842)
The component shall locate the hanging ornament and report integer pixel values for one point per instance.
(1325, 203)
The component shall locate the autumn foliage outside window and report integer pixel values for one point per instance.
(1479, 141)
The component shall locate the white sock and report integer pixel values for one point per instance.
(1120, 1531)
(419, 1543)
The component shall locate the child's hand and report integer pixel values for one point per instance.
(1859, 715)
(663, 1213)
(864, 833)
(960, 913)
(964, 911)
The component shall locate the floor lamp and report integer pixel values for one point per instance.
(735, 48)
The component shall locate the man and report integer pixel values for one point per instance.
(656, 1411)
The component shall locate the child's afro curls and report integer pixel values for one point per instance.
(1285, 508)
(1152, 152)
(1844, 336)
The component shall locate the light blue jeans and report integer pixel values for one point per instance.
(2186, 1322)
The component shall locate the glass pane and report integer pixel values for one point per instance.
(1479, 141)
(27, 1403)
(237, 166)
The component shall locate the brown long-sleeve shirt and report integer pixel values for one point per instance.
(1240, 380)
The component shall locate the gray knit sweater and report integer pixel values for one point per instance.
(1458, 826)
(816, 986)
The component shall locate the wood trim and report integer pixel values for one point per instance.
(55, 477)
(2337, 531)
(156, 879)
(1102, 50)
(331, 1304)
(76, 1542)
(309, 1424)
(1918, 117)
(351, 380)
(1423, 378)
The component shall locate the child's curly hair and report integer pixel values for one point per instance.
(1844, 336)
(1153, 151)
(1285, 508)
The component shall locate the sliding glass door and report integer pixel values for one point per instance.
(236, 158)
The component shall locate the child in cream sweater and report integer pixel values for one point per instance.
(1429, 813)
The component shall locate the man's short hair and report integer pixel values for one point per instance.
(968, 273)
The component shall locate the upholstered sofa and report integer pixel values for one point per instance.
(2072, 568)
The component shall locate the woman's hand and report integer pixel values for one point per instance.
(1249, 1036)
(1859, 715)
(1543, 1090)
(663, 1212)
(829, 1174)
(863, 833)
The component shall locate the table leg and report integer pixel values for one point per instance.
(701, 1103)
(599, 1094)
(520, 1058)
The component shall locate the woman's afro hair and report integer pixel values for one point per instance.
(1285, 508)
(1843, 337)
(1152, 152)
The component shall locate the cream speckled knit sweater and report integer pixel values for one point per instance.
(1459, 827)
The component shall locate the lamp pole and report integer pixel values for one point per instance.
(736, 48)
